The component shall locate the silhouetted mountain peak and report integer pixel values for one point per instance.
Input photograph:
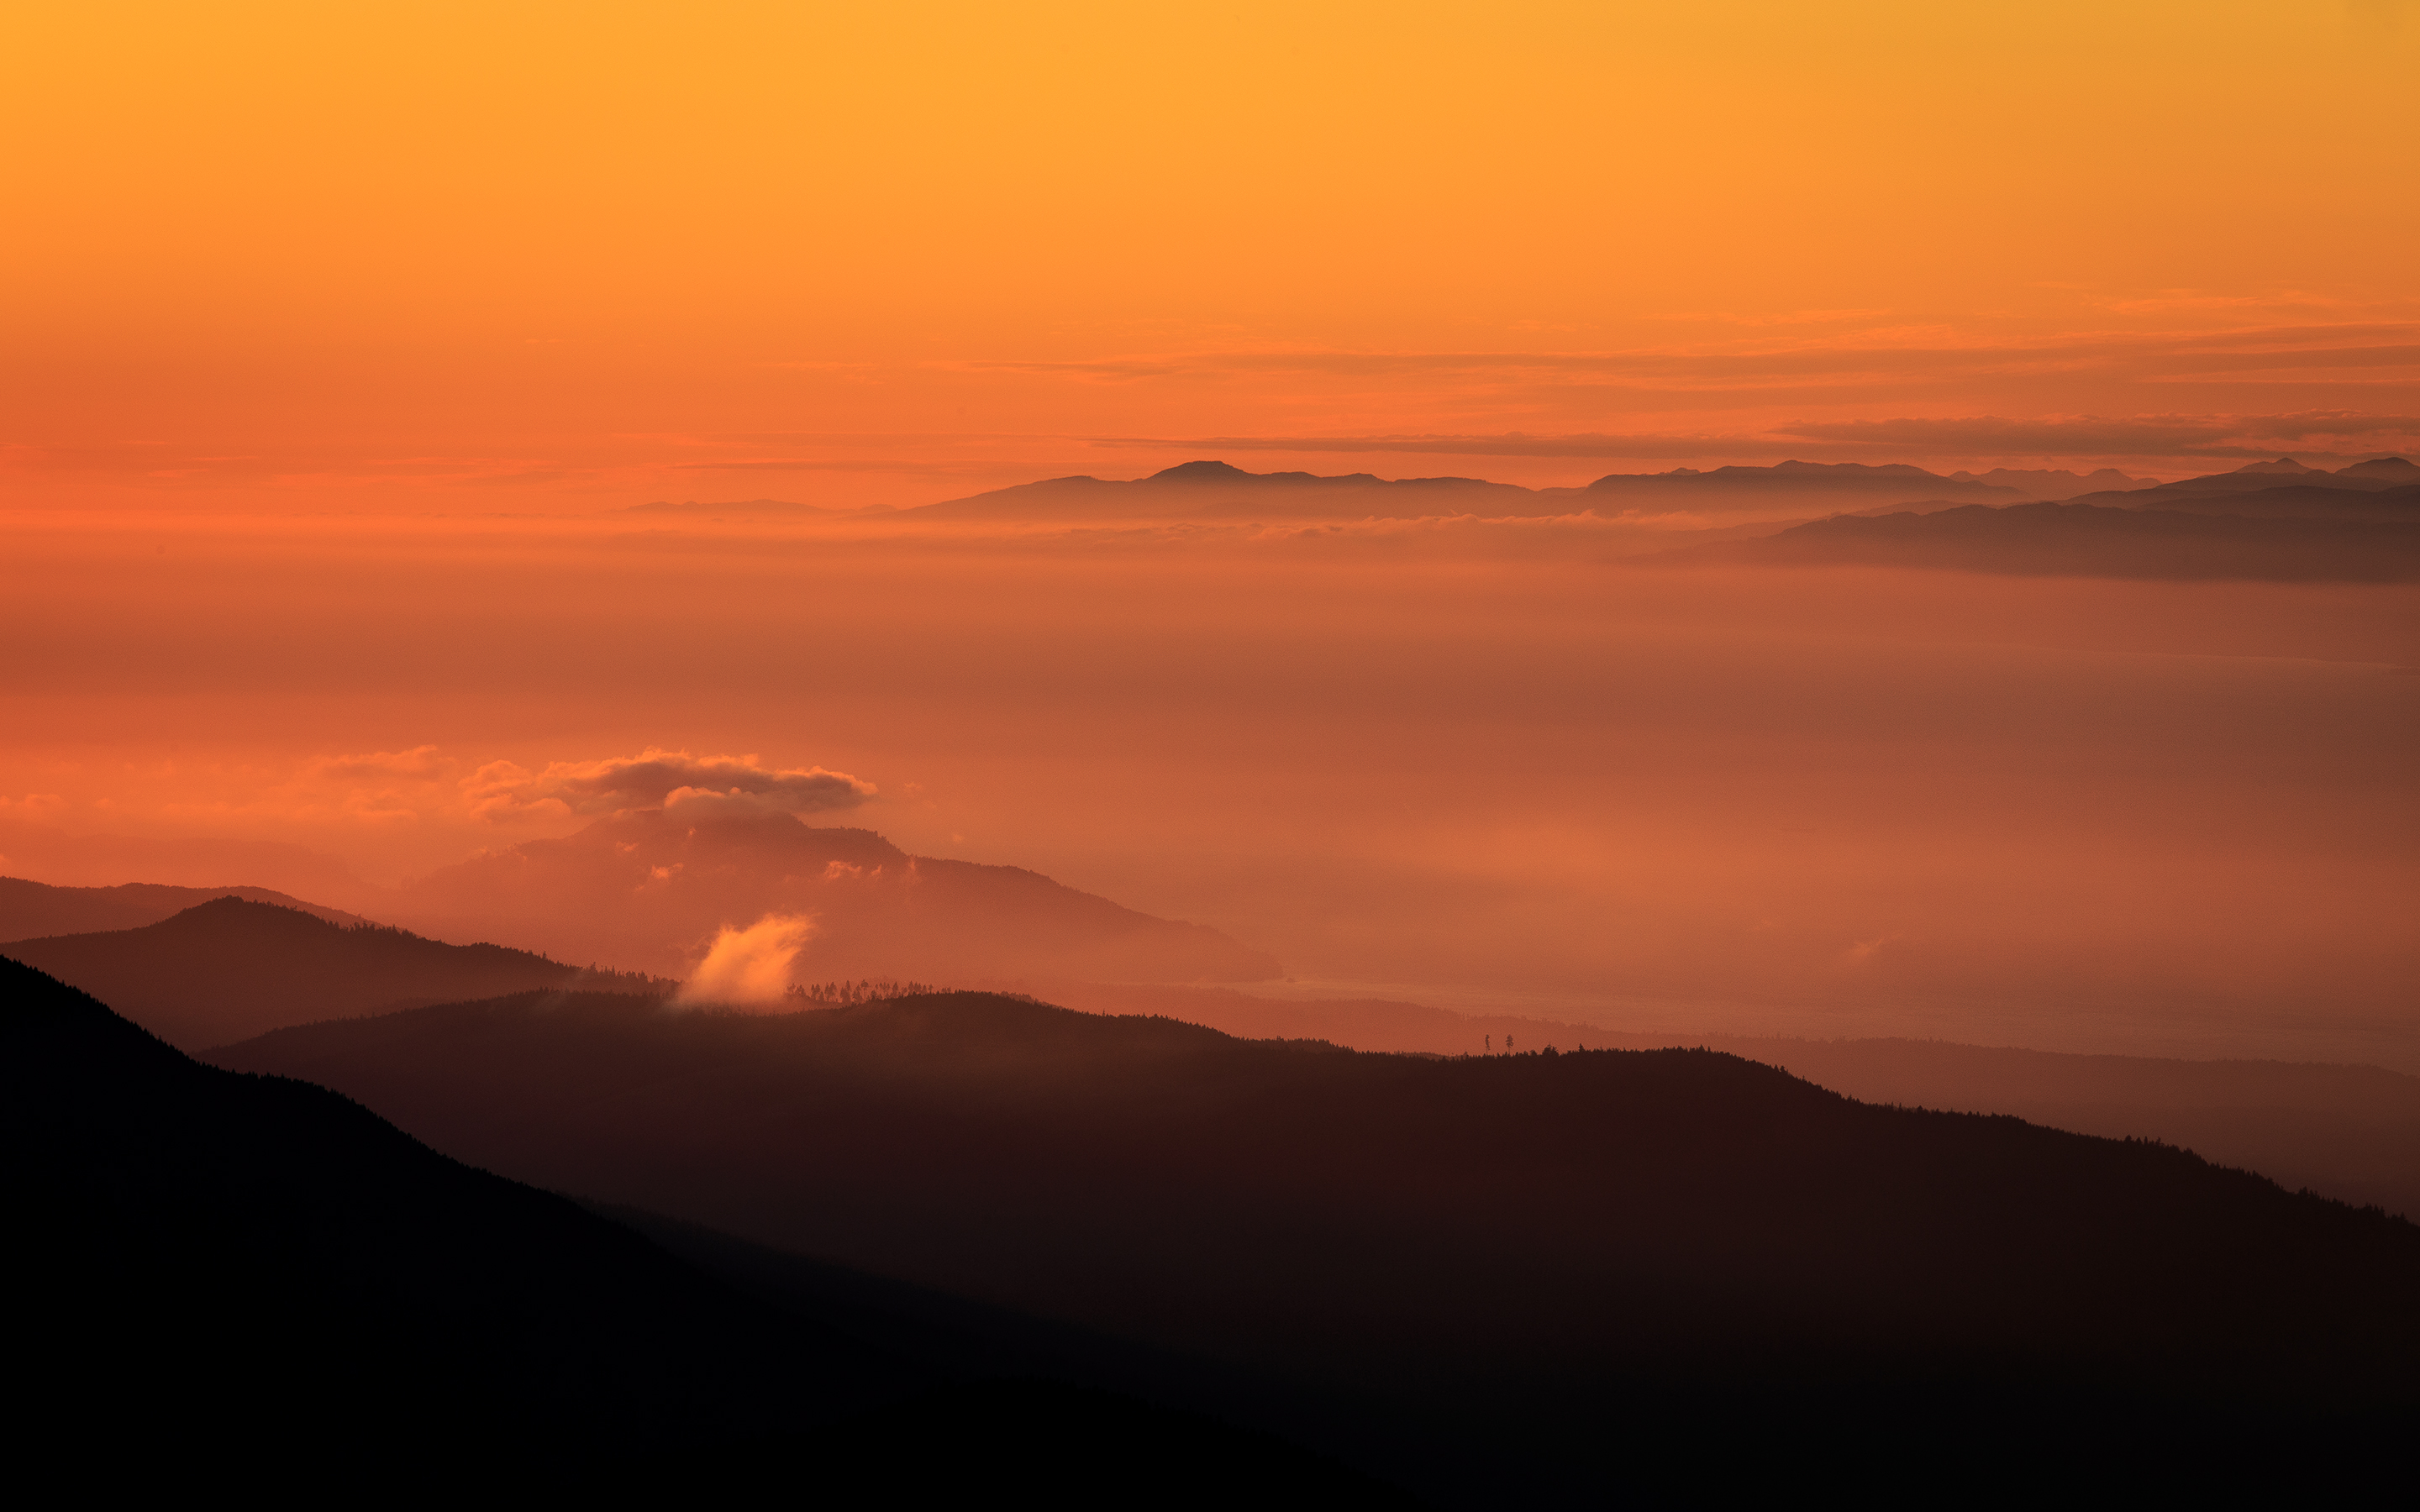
(2395, 468)
(1204, 473)
(2284, 464)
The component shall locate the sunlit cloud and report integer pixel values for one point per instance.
(751, 965)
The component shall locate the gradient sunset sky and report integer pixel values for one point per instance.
(561, 258)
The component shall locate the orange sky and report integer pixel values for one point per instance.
(555, 257)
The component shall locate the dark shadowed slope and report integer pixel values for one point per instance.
(229, 970)
(31, 909)
(1577, 1253)
(648, 890)
(222, 1269)
(2085, 540)
(230, 1279)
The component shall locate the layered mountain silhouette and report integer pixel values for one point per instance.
(232, 968)
(28, 909)
(2054, 483)
(2377, 473)
(225, 1277)
(647, 889)
(1211, 490)
(1216, 490)
(1552, 1274)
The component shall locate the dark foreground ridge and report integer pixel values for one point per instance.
(1540, 1277)
(227, 1277)
(229, 970)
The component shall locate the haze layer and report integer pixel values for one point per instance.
(2064, 812)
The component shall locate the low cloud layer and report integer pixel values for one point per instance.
(749, 965)
(655, 779)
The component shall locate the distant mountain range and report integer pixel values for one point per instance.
(1617, 1262)
(2053, 483)
(2377, 473)
(647, 889)
(1210, 491)
(32, 908)
(1215, 490)
(231, 968)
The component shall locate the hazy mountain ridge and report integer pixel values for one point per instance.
(2055, 484)
(2376, 474)
(31, 909)
(231, 968)
(1558, 1241)
(1209, 490)
(1212, 490)
(1811, 484)
(647, 889)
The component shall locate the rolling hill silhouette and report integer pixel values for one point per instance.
(2096, 541)
(231, 968)
(236, 1277)
(2348, 1131)
(31, 909)
(1611, 1260)
(647, 889)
